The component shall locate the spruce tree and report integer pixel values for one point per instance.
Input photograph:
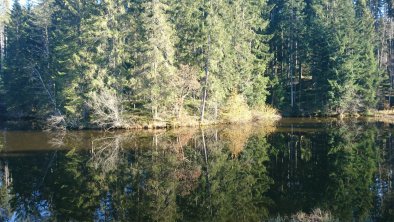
(249, 50)
(344, 68)
(74, 51)
(368, 78)
(24, 84)
(14, 74)
(4, 17)
(287, 26)
(156, 59)
(341, 89)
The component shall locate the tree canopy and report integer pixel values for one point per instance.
(160, 60)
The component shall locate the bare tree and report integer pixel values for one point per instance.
(186, 82)
(107, 110)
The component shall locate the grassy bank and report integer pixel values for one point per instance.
(316, 215)
(385, 116)
(235, 111)
(240, 115)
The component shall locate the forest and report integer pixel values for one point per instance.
(151, 63)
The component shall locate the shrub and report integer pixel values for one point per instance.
(236, 110)
(265, 112)
(55, 123)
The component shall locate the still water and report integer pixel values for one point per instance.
(235, 173)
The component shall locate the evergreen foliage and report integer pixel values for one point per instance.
(166, 60)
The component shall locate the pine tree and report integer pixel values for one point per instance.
(156, 57)
(321, 49)
(14, 63)
(288, 30)
(226, 41)
(368, 78)
(74, 48)
(4, 17)
(344, 68)
(249, 49)
(188, 18)
(341, 88)
(24, 85)
(42, 23)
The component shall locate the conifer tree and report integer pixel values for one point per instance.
(249, 50)
(25, 86)
(156, 57)
(4, 16)
(75, 55)
(351, 72)
(288, 29)
(368, 77)
(159, 57)
(338, 81)
(14, 61)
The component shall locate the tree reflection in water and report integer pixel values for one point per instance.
(246, 173)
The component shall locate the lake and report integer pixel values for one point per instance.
(255, 172)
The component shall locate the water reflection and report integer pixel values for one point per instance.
(243, 173)
(332, 169)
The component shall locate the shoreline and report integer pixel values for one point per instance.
(38, 124)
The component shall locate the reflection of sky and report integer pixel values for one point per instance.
(381, 188)
(104, 211)
(24, 2)
(42, 207)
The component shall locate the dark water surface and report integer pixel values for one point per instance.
(234, 173)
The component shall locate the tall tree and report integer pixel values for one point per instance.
(156, 59)
(4, 16)
(79, 54)
(25, 86)
(250, 50)
(368, 77)
(288, 29)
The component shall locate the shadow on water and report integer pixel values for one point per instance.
(235, 173)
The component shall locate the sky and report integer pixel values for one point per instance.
(23, 2)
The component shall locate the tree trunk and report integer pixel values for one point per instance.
(300, 84)
(205, 88)
(7, 175)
